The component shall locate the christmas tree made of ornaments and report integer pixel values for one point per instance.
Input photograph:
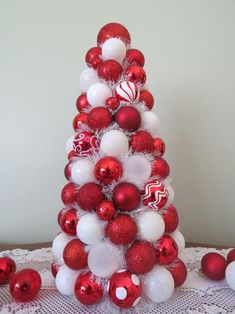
(119, 238)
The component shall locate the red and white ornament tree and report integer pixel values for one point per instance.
(119, 229)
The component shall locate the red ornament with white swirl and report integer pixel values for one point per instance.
(155, 194)
(127, 92)
(85, 143)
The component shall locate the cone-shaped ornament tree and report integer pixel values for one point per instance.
(119, 237)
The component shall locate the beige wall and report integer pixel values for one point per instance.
(189, 48)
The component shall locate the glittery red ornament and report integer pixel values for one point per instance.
(82, 103)
(68, 221)
(106, 210)
(166, 250)
(71, 155)
(213, 266)
(159, 147)
(113, 30)
(79, 119)
(140, 257)
(142, 142)
(54, 269)
(126, 196)
(7, 268)
(171, 219)
(136, 74)
(94, 57)
(147, 98)
(124, 289)
(99, 118)
(110, 71)
(85, 143)
(112, 103)
(74, 255)
(25, 285)
(231, 256)
(67, 171)
(160, 168)
(108, 169)
(134, 57)
(155, 194)
(87, 290)
(121, 230)
(178, 271)
(128, 118)
(89, 196)
(69, 193)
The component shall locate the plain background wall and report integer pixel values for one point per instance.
(190, 62)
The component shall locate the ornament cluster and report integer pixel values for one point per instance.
(119, 229)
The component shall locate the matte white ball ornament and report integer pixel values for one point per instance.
(137, 168)
(171, 195)
(230, 275)
(97, 94)
(88, 77)
(82, 171)
(90, 229)
(69, 144)
(150, 122)
(114, 143)
(59, 244)
(114, 49)
(151, 226)
(65, 280)
(179, 239)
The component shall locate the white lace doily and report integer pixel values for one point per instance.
(197, 295)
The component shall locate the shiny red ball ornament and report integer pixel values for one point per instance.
(85, 143)
(60, 214)
(94, 57)
(99, 118)
(140, 257)
(134, 57)
(89, 196)
(79, 119)
(160, 168)
(128, 118)
(231, 256)
(159, 147)
(68, 221)
(142, 142)
(54, 269)
(71, 155)
(136, 74)
(7, 268)
(178, 271)
(112, 103)
(74, 255)
(106, 210)
(121, 230)
(113, 30)
(166, 250)
(110, 71)
(146, 98)
(82, 103)
(126, 196)
(171, 219)
(69, 193)
(108, 169)
(155, 194)
(213, 265)
(67, 171)
(124, 289)
(87, 290)
(25, 285)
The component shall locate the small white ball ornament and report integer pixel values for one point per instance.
(114, 49)
(90, 229)
(97, 94)
(69, 144)
(151, 226)
(65, 280)
(171, 195)
(179, 239)
(137, 168)
(59, 244)
(82, 171)
(230, 275)
(88, 77)
(150, 122)
(114, 143)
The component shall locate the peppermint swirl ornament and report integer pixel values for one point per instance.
(127, 92)
(155, 194)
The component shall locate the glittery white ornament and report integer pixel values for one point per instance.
(65, 280)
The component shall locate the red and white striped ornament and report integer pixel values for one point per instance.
(127, 92)
(155, 194)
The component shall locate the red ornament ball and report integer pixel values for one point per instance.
(99, 118)
(166, 250)
(60, 214)
(107, 170)
(178, 271)
(25, 285)
(136, 74)
(126, 196)
(74, 255)
(87, 290)
(69, 193)
(106, 210)
(110, 71)
(79, 119)
(134, 57)
(160, 168)
(71, 155)
(128, 118)
(213, 266)
(89, 196)
(68, 221)
(142, 142)
(140, 257)
(67, 171)
(85, 143)
(159, 147)
(113, 30)
(147, 98)
(7, 268)
(171, 219)
(155, 194)
(124, 289)
(94, 57)
(121, 230)
(112, 103)
(231, 256)
(54, 269)
(82, 103)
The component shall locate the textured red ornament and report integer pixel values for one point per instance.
(67, 171)
(155, 194)
(126, 196)
(166, 250)
(136, 74)
(178, 271)
(171, 219)
(106, 210)
(121, 230)
(68, 221)
(112, 103)
(87, 290)
(74, 255)
(85, 143)
(160, 168)
(107, 170)
(110, 71)
(134, 57)
(82, 103)
(79, 119)
(89, 196)
(25, 285)
(54, 269)
(99, 118)
(124, 289)
(128, 118)
(71, 155)
(147, 98)
(113, 30)
(214, 266)
(60, 214)
(140, 257)
(142, 142)
(159, 147)
(7, 268)
(69, 193)
(231, 256)
(94, 57)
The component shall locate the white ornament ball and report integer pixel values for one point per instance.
(137, 168)
(88, 77)
(59, 244)
(179, 239)
(171, 195)
(65, 280)
(104, 259)
(97, 94)
(90, 229)
(151, 226)
(114, 49)
(114, 143)
(158, 284)
(230, 275)
(82, 171)
(69, 144)
(150, 122)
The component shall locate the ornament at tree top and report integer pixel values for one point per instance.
(155, 194)
(113, 30)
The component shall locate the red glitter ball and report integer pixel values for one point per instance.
(159, 147)
(113, 30)
(112, 103)
(128, 118)
(99, 118)
(67, 171)
(69, 193)
(94, 57)
(106, 210)
(89, 196)
(147, 98)
(142, 142)
(134, 57)
(171, 219)
(178, 271)
(74, 255)
(82, 103)
(7, 268)
(110, 71)
(126, 196)
(68, 221)
(160, 168)
(166, 250)
(136, 74)
(79, 119)
(54, 269)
